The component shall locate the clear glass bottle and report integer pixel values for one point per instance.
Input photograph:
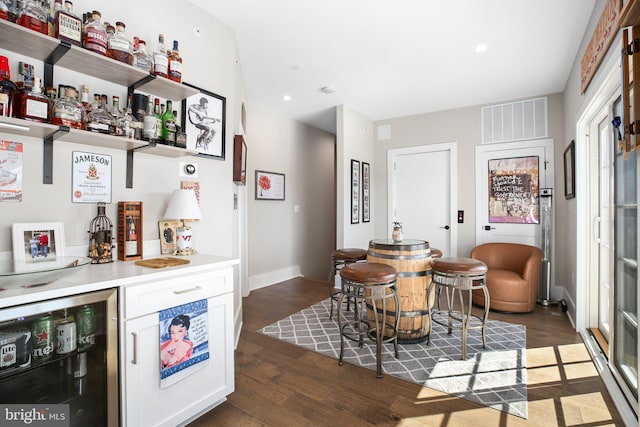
(67, 111)
(118, 117)
(34, 16)
(158, 115)
(68, 25)
(175, 63)
(149, 124)
(160, 58)
(119, 47)
(33, 104)
(8, 89)
(99, 120)
(169, 125)
(84, 100)
(95, 36)
(141, 59)
(8, 10)
(131, 124)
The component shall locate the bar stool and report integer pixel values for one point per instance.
(460, 274)
(372, 284)
(339, 259)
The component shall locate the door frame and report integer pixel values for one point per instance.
(452, 148)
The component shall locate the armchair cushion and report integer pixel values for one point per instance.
(513, 275)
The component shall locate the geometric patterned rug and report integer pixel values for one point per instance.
(495, 377)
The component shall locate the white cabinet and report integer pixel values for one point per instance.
(144, 402)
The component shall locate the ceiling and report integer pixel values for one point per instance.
(387, 59)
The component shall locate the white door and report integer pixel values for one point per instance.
(518, 171)
(421, 181)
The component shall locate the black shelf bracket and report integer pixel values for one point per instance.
(143, 81)
(129, 180)
(51, 60)
(47, 154)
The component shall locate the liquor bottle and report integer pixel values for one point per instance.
(119, 47)
(169, 125)
(160, 59)
(131, 124)
(99, 120)
(149, 124)
(175, 63)
(51, 29)
(95, 36)
(8, 89)
(33, 104)
(141, 58)
(68, 26)
(118, 117)
(158, 115)
(34, 16)
(8, 10)
(84, 100)
(67, 110)
(131, 238)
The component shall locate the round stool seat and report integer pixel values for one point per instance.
(452, 265)
(368, 273)
(350, 254)
(436, 253)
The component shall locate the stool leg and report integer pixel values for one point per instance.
(396, 322)
(379, 333)
(332, 283)
(486, 313)
(339, 310)
(465, 323)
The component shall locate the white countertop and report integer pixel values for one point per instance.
(95, 277)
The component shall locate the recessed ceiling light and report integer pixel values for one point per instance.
(286, 98)
(327, 89)
(481, 48)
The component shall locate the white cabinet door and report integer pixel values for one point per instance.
(145, 403)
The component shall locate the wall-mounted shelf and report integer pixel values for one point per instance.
(53, 52)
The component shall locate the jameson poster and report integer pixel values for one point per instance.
(184, 341)
(10, 171)
(91, 178)
(513, 190)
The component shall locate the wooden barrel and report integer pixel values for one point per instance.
(412, 260)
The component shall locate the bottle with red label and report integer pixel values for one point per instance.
(34, 16)
(8, 89)
(8, 10)
(95, 36)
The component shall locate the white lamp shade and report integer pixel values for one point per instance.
(183, 205)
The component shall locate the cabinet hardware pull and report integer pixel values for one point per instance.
(184, 291)
(134, 358)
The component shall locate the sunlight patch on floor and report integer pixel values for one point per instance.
(543, 375)
(572, 353)
(580, 370)
(541, 356)
(584, 408)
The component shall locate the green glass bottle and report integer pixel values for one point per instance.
(169, 125)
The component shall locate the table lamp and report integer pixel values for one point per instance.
(183, 205)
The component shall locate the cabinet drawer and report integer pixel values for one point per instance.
(164, 293)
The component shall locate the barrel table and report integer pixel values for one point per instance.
(412, 261)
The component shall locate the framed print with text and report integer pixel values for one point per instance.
(366, 192)
(355, 191)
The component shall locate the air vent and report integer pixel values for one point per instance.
(515, 121)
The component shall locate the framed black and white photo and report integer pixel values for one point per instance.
(366, 192)
(203, 120)
(355, 191)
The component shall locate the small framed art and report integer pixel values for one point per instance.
(203, 120)
(37, 242)
(269, 185)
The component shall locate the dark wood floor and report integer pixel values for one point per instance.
(280, 384)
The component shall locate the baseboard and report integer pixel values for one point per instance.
(272, 277)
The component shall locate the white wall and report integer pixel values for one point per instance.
(295, 236)
(209, 62)
(354, 140)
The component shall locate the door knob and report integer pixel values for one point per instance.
(446, 227)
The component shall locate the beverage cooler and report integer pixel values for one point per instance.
(62, 352)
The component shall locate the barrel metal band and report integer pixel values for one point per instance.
(414, 273)
(417, 313)
(399, 257)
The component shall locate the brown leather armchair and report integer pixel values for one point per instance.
(513, 275)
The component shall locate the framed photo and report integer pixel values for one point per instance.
(366, 192)
(239, 160)
(569, 174)
(203, 120)
(355, 191)
(38, 242)
(168, 235)
(269, 185)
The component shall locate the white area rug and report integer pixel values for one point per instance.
(495, 377)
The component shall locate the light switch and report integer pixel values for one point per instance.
(296, 209)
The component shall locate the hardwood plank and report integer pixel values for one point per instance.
(280, 384)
